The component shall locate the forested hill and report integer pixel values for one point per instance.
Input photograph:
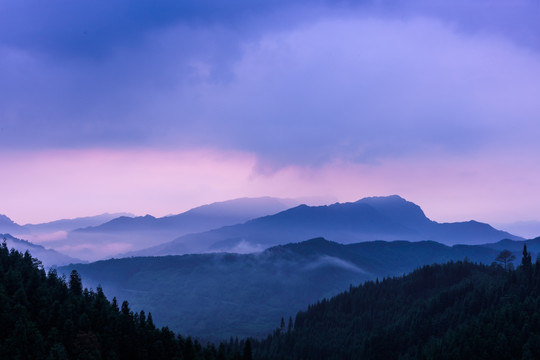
(215, 296)
(458, 310)
(43, 317)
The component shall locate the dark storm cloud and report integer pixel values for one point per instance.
(291, 81)
(94, 28)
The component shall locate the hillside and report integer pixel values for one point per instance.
(47, 257)
(220, 295)
(454, 311)
(43, 317)
(458, 310)
(376, 218)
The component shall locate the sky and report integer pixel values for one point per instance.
(157, 107)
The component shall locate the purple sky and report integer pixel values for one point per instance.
(112, 106)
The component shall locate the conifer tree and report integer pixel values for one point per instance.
(75, 283)
(526, 261)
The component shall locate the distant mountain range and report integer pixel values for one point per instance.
(76, 223)
(49, 229)
(124, 233)
(7, 225)
(219, 295)
(47, 257)
(249, 225)
(373, 218)
(106, 235)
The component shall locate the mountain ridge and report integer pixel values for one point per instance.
(251, 292)
(375, 218)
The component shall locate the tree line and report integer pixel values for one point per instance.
(45, 316)
(458, 310)
(441, 311)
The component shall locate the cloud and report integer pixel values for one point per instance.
(94, 252)
(326, 82)
(366, 89)
(359, 89)
(244, 247)
(325, 261)
(96, 29)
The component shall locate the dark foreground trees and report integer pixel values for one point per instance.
(43, 317)
(506, 257)
(454, 311)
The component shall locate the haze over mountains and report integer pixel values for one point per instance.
(249, 225)
(47, 257)
(104, 236)
(219, 295)
(55, 229)
(249, 263)
(373, 218)
(126, 234)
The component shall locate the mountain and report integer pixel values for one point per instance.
(54, 230)
(533, 245)
(47, 257)
(457, 310)
(76, 223)
(134, 233)
(374, 218)
(8, 225)
(218, 295)
(204, 217)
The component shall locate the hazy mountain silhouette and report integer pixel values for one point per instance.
(133, 233)
(204, 217)
(76, 223)
(9, 226)
(219, 295)
(47, 257)
(374, 218)
(516, 246)
(54, 234)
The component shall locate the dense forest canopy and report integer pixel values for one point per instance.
(459, 310)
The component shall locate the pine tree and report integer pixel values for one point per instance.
(290, 326)
(75, 283)
(526, 261)
(248, 355)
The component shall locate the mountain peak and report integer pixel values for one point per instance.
(397, 208)
(388, 198)
(4, 220)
